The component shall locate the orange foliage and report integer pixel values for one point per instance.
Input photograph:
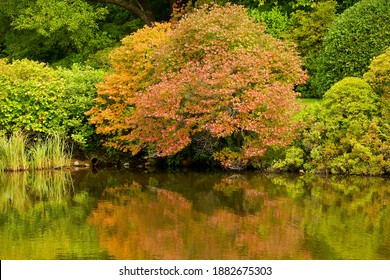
(133, 65)
(214, 72)
(163, 225)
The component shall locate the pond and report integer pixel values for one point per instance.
(112, 214)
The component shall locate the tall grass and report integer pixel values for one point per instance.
(50, 153)
(38, 155)
(56, 152)
(13, 153)
(17, 154)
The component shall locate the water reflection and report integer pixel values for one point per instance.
(42, 218)
(248, 216)
(20, 189)
(124, 215)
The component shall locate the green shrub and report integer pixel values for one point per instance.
(293, 160)
(38, 99)
(344, 134)
(378, 76)
(29, 95)
(355, 37)
(79, 95)
(351, 99)
(350, 132)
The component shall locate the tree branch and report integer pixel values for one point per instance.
(139, 7)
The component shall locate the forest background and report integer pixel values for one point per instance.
(299, 85)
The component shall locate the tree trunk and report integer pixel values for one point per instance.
(139, 7)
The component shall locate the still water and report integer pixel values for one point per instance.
(124, 215)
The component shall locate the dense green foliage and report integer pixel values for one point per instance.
(38, 99)
(308, 28)
(378, 76)
(64, 32)
(275, 19)
(355, 37)
(51, 31)
(345, 134)
(38, 30)
(311, 18)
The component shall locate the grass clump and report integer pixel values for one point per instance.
(13, 154)
(50, 153)
(17, 154)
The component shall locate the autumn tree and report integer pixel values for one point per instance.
(214, 78)
(134, 66)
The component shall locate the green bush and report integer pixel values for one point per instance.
(307, 31)
(350, 132)
(351, 99)
(38, 99)
(355, 37)
(29, 95)
(342, 135)
(292, 161)
(79, 96)
(378, 76)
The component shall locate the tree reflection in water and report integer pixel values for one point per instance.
(252, 217)
(125, 215)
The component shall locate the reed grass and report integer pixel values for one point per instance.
(38, 155)
(56, 152)
(17, 154)
(13, 153)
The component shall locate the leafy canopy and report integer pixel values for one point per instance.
(215, 73)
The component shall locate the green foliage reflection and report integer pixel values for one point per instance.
(39, 219)
(21, 190)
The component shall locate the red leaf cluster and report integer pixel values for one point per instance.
(216, 71)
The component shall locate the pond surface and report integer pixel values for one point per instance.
(125, 215)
